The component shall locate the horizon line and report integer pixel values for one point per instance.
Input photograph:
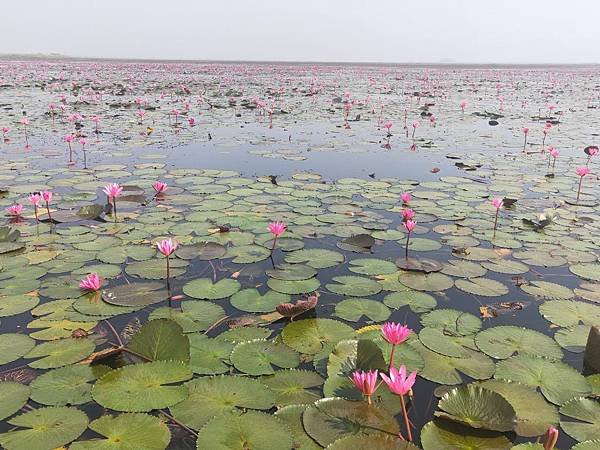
(58, 56)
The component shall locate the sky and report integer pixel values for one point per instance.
(452, 31)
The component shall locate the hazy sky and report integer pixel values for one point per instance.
(518, 31)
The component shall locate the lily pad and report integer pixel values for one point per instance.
(44, 429)
(547, 374)
(135, 294)
(60, 353)
(588, 412)
(251, 300)
(353, 309)
(13, 397)
(443, 434)
(294, 386)
(257, 357)
(212, 396)
(503, 341)
(452, 321)
(477, 407)
(312, 336)
(482, 286)
(161, 339)
(251, 429)
(418, 302)
(13, 346)
(127, 431)
(142, 387)
(204, 288)
(315, 257)
(68, 385)
(566, 313)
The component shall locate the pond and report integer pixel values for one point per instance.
(303, 207)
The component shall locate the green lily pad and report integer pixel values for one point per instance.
(444, 343)
(16, 304)
(547, 290)
(463, 269)
(315, 257)
(13, 397)
(353, 309)
(127, 431)
(294, 386)
(534, 413)
(482, 286)
(257, 357)
(156, 269)
(142, 387)
(354, 286)
(589, 271)
(202, 250)
(13, 346)
(247, 254)
(161, 339)
(380, 442)
(372, 266)
(418, 302)
(44, 429)
(573, 339)
(431, 282)
(60, 353)
(452, 321)
(195, 315)
(504, 341)
(506, 266)
(135, 294)
(330, 419)
(567, 313)
(68, 385)
(588, 412)
(251, 429)
(212, 396)
(291, 416)
(292, 272)
(294, 287)
(251, 300)
(204, 288)
(477, 407)
(443, 434)
(209, 356)
(547, 374)
(312, 336)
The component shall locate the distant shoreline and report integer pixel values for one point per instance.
(446, 65)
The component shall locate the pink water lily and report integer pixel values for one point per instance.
(276, 229)
(35, 200)
(497, 203)
(400, 384)
(406, 197)
(167, 247)
(550, 438)
(395, 334)
(407, 214)
(14, 210)
(388, 127)
(91, 283)
(365, 382)
(112, 191)
(5, 131)
(47, 197)
(463, 105)
(409, 226)
(159, 187)
(581, 172)
(525, 133)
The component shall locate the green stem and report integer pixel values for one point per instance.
(406, 421)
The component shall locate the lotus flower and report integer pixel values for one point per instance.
(409, 226)
(407, 214)
(406, 197)
(47, 197)
(395, 333)
(112, 191)
(582, 172)
(497, 203)
(159, 187)
(277, 229)
(91, 283)
(400, 384)
(365, 382)
(14, 210)
(167, 247)
(550, 438)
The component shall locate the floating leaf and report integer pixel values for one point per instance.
(294, 287)
(294, 386)
(504, 341)
(203, 251)
(142, 387)
(13, 397)
(442, 434)
(433, 281)
(330, 419)
(212, 396)
(13, 346)
(44, 429)
(477, 407)
(204, 288)
(315, 257)
(372, 266)
(135, 294)
(482, 286)
(195, 315)
(547, 374)
(445, 344)
(257, 357)
(547, 290)
(452, 321)
(161, 339)
(67, 385)
(353, 309)
(566, 313)
(292, 416)
(16, 304)
(292, 272)
(60, 353)
(588, 412)
(314, 335)
(354, 286)
(418, 302)
(127, 431)
(534, 413)
(251, 300)
(249, 430)
(573, 339)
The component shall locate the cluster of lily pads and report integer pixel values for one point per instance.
(236, 310)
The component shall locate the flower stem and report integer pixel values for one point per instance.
(579, 188)
(274, 244)
(115, 208)
(496, 222)
(406, 421)
(406, 246)
(392, 357)
(48, 209)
